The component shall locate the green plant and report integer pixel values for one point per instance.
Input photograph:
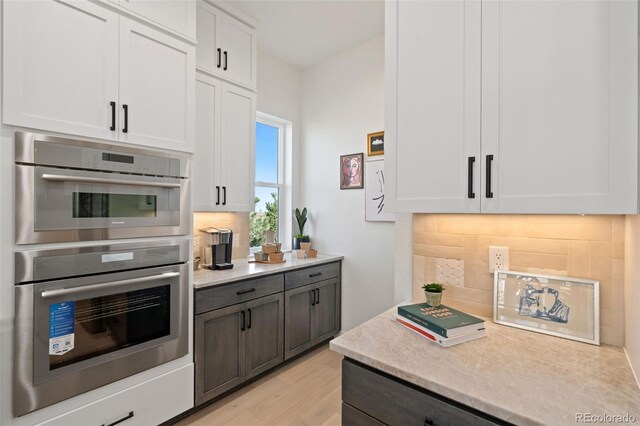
(301, 218)
(433, 288)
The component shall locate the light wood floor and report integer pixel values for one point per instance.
(304, 392)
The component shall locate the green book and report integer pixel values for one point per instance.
(445, 321)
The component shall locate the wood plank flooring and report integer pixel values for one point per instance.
(304, 392)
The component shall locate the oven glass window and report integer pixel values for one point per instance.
(92, 204)
(109, 323)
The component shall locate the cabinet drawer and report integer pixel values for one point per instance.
(394, 403)
(230, 294)
(312, 275)
(355, 417)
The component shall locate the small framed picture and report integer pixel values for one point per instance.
(559, 306)
(375, 144)
(374, 192)
(351, 176)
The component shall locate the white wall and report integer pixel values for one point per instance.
(279, 91)
(632, 292)
(342, 101)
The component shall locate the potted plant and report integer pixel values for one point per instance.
(433, 293)
(301, 218)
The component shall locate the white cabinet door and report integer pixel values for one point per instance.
(433, 106)
(205, 172)
(157, 88)
(238, 52)
(178, 15)
(559, 106)
(209, 47)
(60, 67)
(237, 156)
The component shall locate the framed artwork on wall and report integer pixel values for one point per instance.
(351, 176)
(374, 210)
(375, 143)
(559, 306)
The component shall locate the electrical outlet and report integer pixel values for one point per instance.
(498, 258)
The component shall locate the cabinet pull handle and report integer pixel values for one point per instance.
(312, 294)
(125, 418)
(470, 192)
(226, 60)
(249, 322)
(242, 321)
(224, 195)
(317, 274)
(488, 189)
(317, 296)
(428, 421)
(125, 129)
(240, 293)
(219, 57)
(113, 116)
(217, 195)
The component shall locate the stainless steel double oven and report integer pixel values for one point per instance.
(89, 315)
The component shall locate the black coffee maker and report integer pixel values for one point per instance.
(216, 245)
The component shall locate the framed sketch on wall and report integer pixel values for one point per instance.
(559, 306)
(374, 193)
(375, 144)
(351, 176)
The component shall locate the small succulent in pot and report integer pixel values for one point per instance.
(301, 218)
(433, 293)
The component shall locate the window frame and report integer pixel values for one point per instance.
(269, 120)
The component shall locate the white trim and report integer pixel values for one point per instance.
(635, 376)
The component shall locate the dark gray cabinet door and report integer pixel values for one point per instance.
(298, 333)
(219, 352)
(327, 309)
(264, 333)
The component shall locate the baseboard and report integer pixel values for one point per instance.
(635, 376)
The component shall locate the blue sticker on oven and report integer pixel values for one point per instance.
(61, 327)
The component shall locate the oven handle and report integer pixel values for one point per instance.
(63, 178)
(65, 291)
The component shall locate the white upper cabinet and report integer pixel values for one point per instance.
(224, 157)
(178, 15)
(437, 124)
(205, 167)
(227, 48)
(157, 74)
(55, 79)
(110, 78)
(559, 106)
(237, 149)
(547, 106)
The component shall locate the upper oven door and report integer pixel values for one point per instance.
(55, 205)
(87, 322)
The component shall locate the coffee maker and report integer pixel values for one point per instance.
(216, 245)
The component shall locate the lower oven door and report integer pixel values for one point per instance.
(55, 205)
(78, 334)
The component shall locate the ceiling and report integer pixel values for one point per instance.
(304, 32)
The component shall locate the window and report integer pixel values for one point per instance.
(269, 181)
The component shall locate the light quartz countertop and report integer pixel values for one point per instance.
(519, 376)
(243, 270)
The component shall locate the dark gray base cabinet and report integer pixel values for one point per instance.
(246, 328)
(371, 397)
(312, 315)
(236, 343)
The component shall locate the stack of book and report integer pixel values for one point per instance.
(443, 325)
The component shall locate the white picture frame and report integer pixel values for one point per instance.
(374, 192)
(558, 306)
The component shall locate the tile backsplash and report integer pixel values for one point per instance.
(237, 222)
(454, 246)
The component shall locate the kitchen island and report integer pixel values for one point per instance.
(511, 375)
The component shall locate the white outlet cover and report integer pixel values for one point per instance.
(498, 258)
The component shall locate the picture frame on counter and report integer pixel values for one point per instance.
(558, 306)
(351, 171)
(375, 144)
